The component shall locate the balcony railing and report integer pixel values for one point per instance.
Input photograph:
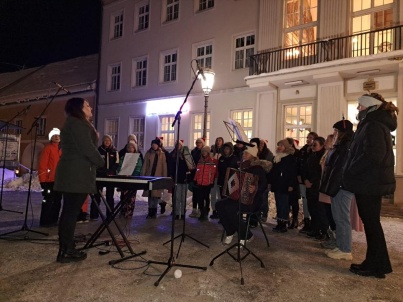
(358, 45)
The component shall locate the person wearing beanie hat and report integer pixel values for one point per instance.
(131, 138)
(48, 161)
(154, 164)
(111, 163)
(368, 172)
(228, 210)
(283, 182)
(54, 131)
(343, 125)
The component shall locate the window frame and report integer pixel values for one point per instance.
(135, 71)
(163, 55)
(114, 24)
(209, 4)
(198, 133)
(138, 16)
(110, 80)
(203, 58)
(164, 10)
(299, 127)
(166, 134)
(242, 120)
(139, 134)
(41, 126)
(244, 49)
(114, 135)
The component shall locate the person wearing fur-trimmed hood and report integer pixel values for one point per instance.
(228, 209)
(283, 181)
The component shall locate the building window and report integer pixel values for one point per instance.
(140, 72)
(198, 122)
(41, 126)
(112, 129)
(172, 10)
(204, 55)
(244, 48)
(136, 127)
(205, 4)
(169, 66)
(167, 131)
(369, 15)
(114, 73)
(18, 123)
(298, 122)
(245, 118)
(116, 25)
(300, 26)
(143, 17)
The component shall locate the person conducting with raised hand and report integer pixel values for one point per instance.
(75, 172)
(369, 174)
(48, 161)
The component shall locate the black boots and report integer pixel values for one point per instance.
(293, 224)
(163, 204)
(204, 214)
(66, 255)
(281, 227)
(307, 226)
(152, 213)
(214, 215)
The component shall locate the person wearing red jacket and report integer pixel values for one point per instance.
(206, 172)
(48, 161)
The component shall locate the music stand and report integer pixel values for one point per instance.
(171, 260)
(237, 134)
(7, 125)
(34, 125)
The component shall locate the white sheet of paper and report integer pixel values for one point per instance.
(129, 163)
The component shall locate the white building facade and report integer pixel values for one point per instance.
(283, 67)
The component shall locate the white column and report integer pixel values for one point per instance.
(266, 122)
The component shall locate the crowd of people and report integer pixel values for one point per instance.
(332, 177)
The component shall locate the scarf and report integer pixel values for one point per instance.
(278, 157)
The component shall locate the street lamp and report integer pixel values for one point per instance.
(207, 82)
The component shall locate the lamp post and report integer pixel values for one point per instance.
(207, 82)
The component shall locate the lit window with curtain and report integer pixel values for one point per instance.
(167, 131)
(298, 122)
(112, 129)
(300, 27)
(136, 127)
(371, 15)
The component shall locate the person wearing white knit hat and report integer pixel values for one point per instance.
(54, 131)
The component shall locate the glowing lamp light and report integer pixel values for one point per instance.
(207, 82)
(166, 106)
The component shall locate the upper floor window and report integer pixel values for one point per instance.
(114, 74)
(244, 48)
(204, 55)
(300, 25)
(371, 15)
(116, 26)
(41, 126)
(136, 127)
(143, 15)
(18, 123)
(298, 122)
(169, 65)
(172, 10)
(245, 118)
(112, 129)
(167, 131)
(205, 4)
(198, 123)
(140, 72)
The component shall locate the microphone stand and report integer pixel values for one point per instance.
(25, 227)
(171, 261)
(7, 124)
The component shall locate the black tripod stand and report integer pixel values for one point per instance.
(25, 227)
(183, 235)
(238, 245)
(171, 261)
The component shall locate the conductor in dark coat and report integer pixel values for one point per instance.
(369, 173)
(75, 173)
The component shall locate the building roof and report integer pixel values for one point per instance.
(76, 75)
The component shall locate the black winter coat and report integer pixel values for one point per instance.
(182, 167)
(111, 159)
(313, 171)
(284, 175)
(369, 168)
(224, 163)
(302, 156)
(332, 176)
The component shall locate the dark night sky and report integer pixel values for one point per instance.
(36, 32)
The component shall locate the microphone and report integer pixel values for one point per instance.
(61, 87)
(200, 69)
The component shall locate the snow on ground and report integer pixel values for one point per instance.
(14, 183)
